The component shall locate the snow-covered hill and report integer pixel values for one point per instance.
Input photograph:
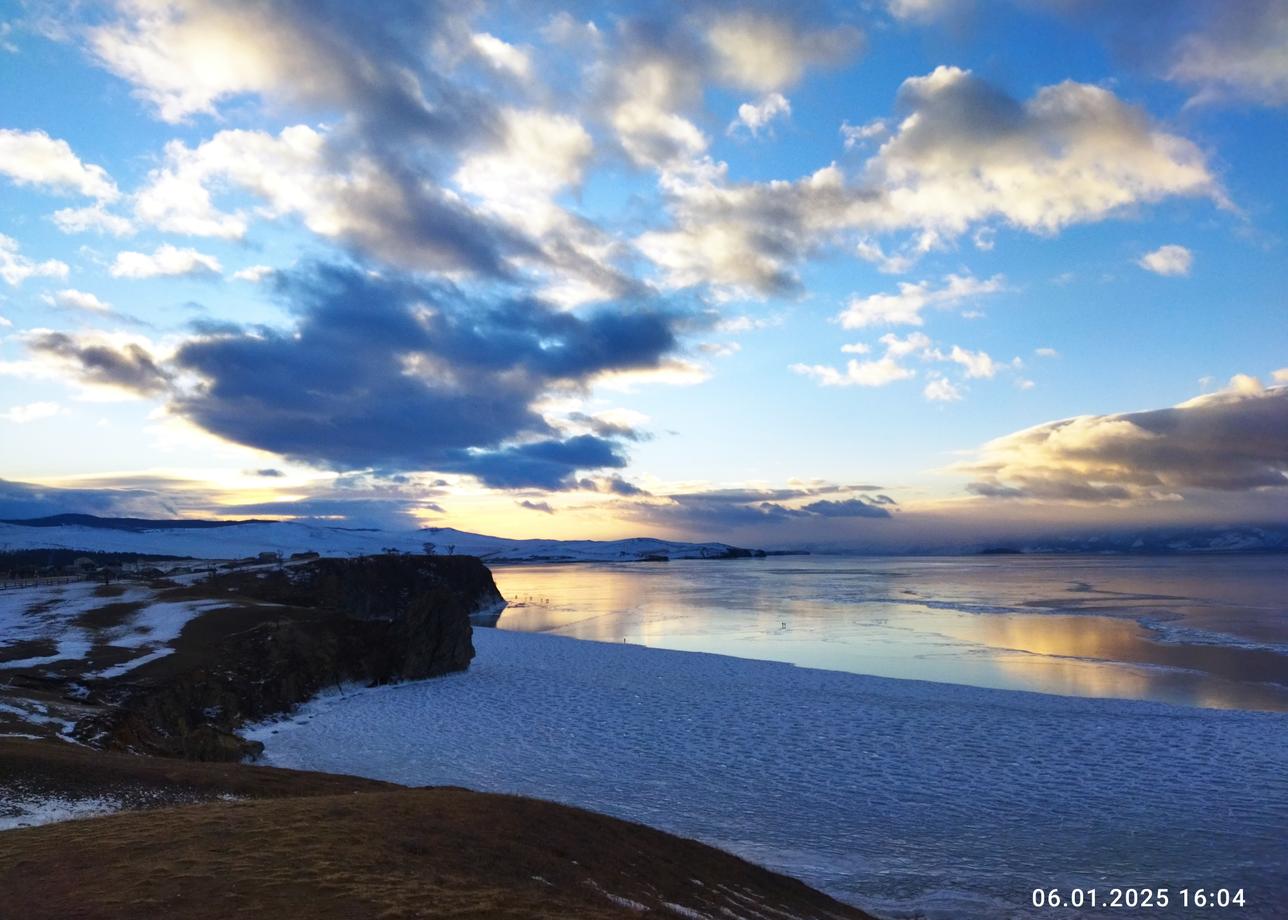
(232, 541)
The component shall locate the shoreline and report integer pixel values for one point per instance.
(876, 790)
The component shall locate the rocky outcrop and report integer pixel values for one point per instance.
(287, 634)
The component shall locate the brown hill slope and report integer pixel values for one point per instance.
(303, 845)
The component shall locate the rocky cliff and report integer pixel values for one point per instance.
(286, 634)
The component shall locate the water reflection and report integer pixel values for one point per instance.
(1207, 632)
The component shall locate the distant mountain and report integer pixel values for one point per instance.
(240, 539)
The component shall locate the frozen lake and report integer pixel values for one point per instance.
(905, 797)
(1207, 631)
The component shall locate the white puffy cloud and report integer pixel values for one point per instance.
(766, 54)
(964, 154)
(516, 177)
(77, 300)
(1234, 440)
(875, 373)
(167, 261)
(16, 268)
(31, 412)
(253, 273)
(857, 135)
(940, 389)
(92, 217)
(35, 158)
(652, 88)
(1072, 153)
(1169, 260)
(756, 115)
(658, 74)
(288, 170)
(345, 195)
(186, 57)
(891, 366)
(976, 363)
(905, 306)
(750, 236)
(538, 154)
(501, 55)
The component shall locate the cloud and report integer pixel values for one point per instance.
(921, 9)
(966, 151)
(31, 412)
(355, 196)
(1232, 441)
(394, 374)
(661, 67)
(186, 57)
(750, 236)
(657, 76)
(940, 389)
(718, 510)
(77, 300)
(166, 261)
(753, 116)
(501, 55)
(20, 501)
(253, 273)
(877, 372)
(34, 158)
(101, 362)
(847, 508)
(15, 268)
(765, 54)
(963, 154)
(904, 307)
(1241, 52)
(92, 217)
(976, 363)
(1168, 260)
(1223, 51)
(543, 507)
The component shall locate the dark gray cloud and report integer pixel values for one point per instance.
(1233, 441)
(129, 367)
(19, 500)
(721, 510)
(543, 507)
(393, 374)
(850, 507)
(608, 429)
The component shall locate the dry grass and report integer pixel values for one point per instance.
(370, 851)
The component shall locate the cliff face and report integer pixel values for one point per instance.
(286, 635)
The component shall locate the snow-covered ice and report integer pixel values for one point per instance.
(905, 797)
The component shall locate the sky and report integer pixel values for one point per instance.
(867, 274)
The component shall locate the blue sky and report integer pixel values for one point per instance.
(835, 273)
